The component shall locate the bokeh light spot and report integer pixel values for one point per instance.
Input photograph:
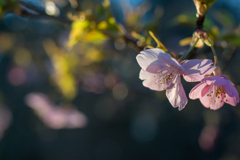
(120, 91)
(17, 76)
(51, 9)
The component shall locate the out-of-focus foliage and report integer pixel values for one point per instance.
(74, 66)
(7, 5)
(220, 33)
(94, 27)
(63, 65)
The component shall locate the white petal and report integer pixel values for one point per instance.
(144, 74)
(166, 58)
(177, 96)
(148, 60)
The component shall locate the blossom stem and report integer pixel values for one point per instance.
(189, 50)
(218, 70)
(215, 56)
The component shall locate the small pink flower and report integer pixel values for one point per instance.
(162, 72)
(214, 91)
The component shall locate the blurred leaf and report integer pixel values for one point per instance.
(94, 55)
(186, 19)
(6, 42)
(109, 25)
(67, 86)
(235, 40)
(106, 3)
(214, 32)
(2, 2)
(6, 5)
(185, 41)
(159, 44)
(137, 36)
(112, 20)
(22, 57)
(93, 36)
(224, 18)
(102, 25)
(189, 19)
(78, 29)
(63, 65)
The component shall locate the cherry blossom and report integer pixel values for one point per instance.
(214, 91)
(161, 72)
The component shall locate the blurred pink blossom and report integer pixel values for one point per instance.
(162, 72)
(54, 116)
(208, 137)
(214, 91)
(17, 76)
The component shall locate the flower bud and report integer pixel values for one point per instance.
(201, 35)
(202, 6)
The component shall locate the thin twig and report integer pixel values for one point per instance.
(34, 12)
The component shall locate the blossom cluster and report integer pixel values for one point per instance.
(161, 72)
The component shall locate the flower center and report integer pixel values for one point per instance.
(166, 76)
(217, 93)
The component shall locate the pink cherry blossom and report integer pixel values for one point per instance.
(214, 91)
(162, 72)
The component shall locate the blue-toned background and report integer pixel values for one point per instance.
(53, 106)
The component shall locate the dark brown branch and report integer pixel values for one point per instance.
(199, 25)
(133, 41)
(199, 22)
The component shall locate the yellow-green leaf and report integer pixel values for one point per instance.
(94, 35)
(185, 41)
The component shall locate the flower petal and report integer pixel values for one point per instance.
(144, 74)
(195, 70)
(232, 100)
(216, 80)
(196, 92)
(177, 96)
(230, 89)
(167, 59)
(153, 83)
(205, 90)
(212, 100)
(148, 60)
(205, 101)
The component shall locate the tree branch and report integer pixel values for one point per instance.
(32, 11)
(199, 22)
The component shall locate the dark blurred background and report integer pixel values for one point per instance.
(86, 101)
